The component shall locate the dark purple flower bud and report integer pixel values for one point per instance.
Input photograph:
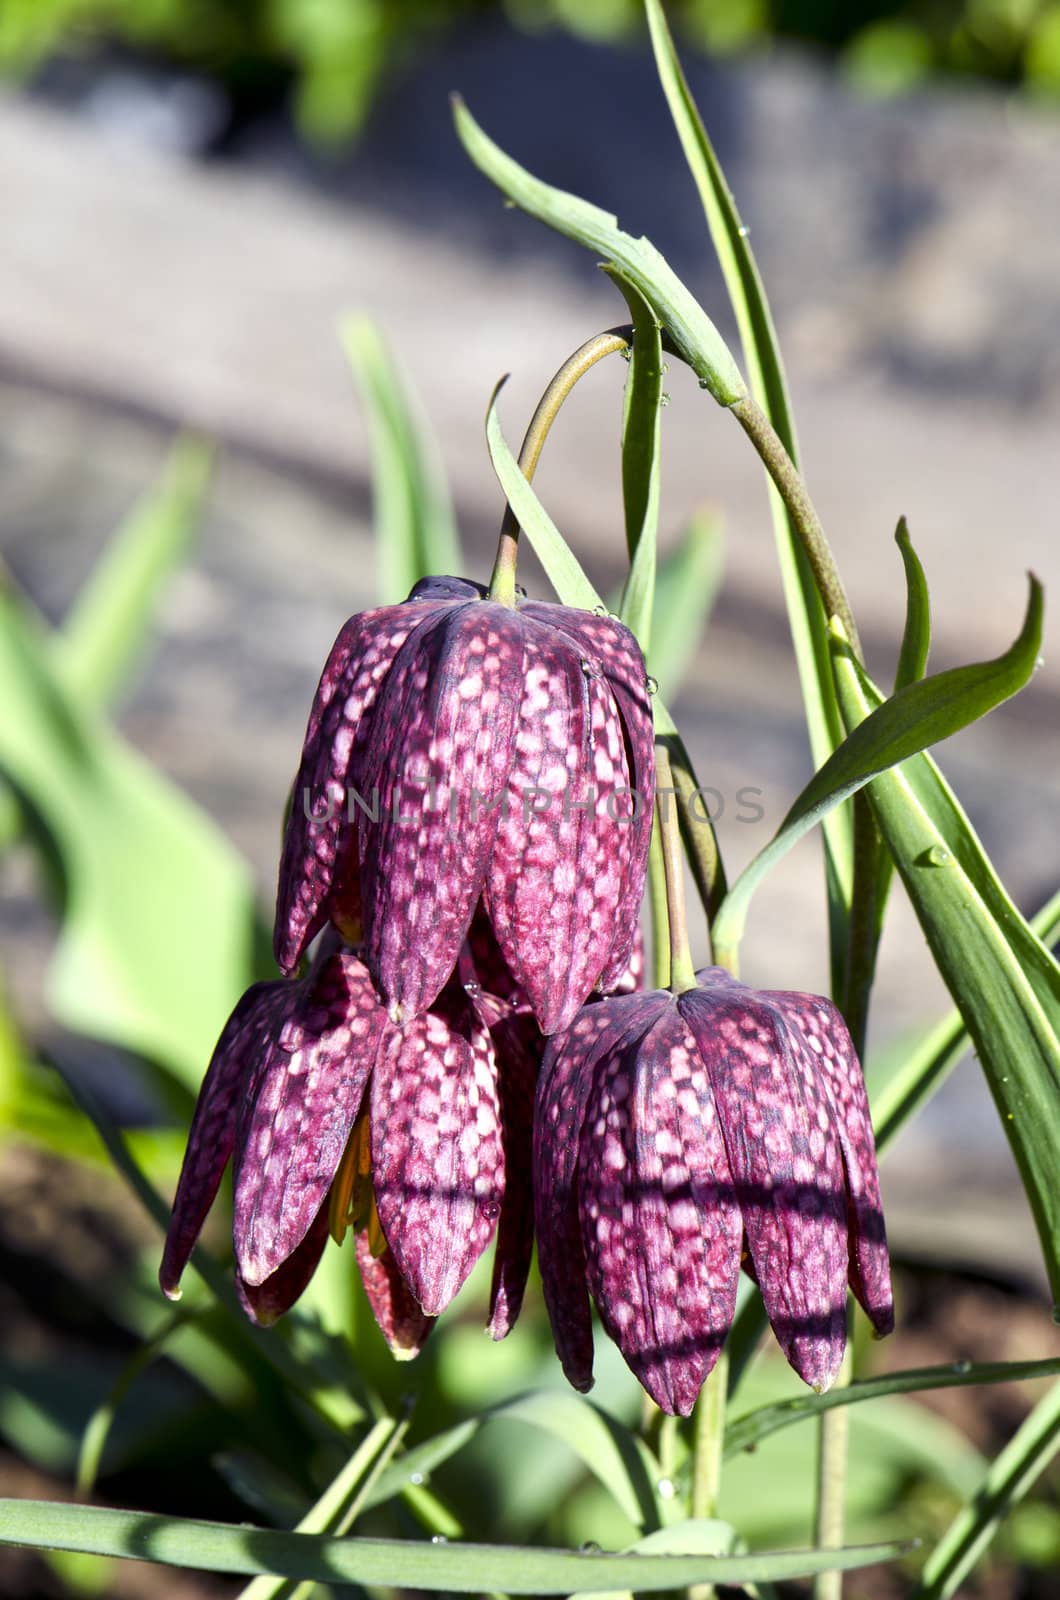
(668, 1129)
(492, 751)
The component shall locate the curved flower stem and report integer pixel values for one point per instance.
(793, 492)
(502, 579)
(682, 968)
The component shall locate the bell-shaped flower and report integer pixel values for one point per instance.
(460, 749)
(674, 1131)
(333, 1115)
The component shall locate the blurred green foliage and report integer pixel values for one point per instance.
(335, 52)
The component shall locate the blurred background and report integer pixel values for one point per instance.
(194, 194)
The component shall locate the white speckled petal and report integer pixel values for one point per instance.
(437, 1152)
(247, 1037)
(559, 862)
(660, 1223)
(439, 752)
(617, 655)
(824, 1034)
(563, 1090)
(783, 1152)
(319, 836)
(309, 1092)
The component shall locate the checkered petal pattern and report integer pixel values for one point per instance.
(265, 1302)
(395, 1308)
(437, 1148)
(660, 1223)
(439, 752)
(671, 1133)
(257, 1018)
(430, 718)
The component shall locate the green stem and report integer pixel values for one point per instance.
(807, 523)
(502, 579)
(660, 927)
(682, 967)
(708, 1430)
(832, 1430)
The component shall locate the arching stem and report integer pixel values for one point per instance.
(502, 579)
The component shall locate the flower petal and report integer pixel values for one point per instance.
(784, 1155)
(256, 1020)
(517, 1048)
(558, 869)
(563, 1091)
(318, 833)
(825, 1033)
(264, 1302)
(437, 1154)
(610, 644)
(439, 752)
(660, 1221)
(394, 1306)
(309, 1093)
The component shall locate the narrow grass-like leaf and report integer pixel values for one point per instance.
(917, 716)
(339, 1505)
(460, 1568)
(106, 627)
(1011, 1474)
(686, 587)
(694, 336)
(562, 567)
(1003, 980)
(641, 432)
(765, 368)
(98, 1427)
(609, 1450)
(742, 1433)
(910, 668)
(414, 526)
(159, 929)
(897, 1097)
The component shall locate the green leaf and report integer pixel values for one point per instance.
(1009, 1477)
(460, 1568)
(414, 526)
(342, 1501)
(686, 588)
(1003, 980)
(768, 384)
(694, 336)
(917, 716)
(615, 1455)
(744, 1432)
(641, 429)
(896, 1097)
(562, 567)
(106, 627)
(916, 634)
(159, 931)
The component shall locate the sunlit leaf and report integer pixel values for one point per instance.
(1003, 980)
(414, 528)
(917, 716)
(460, 1568)
(1010, 1475)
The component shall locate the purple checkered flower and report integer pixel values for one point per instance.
(417, 1135)
(673, 1132)
(460, 749)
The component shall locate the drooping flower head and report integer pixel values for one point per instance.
(332, 1114)
(671, 1129)
(458, 748)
